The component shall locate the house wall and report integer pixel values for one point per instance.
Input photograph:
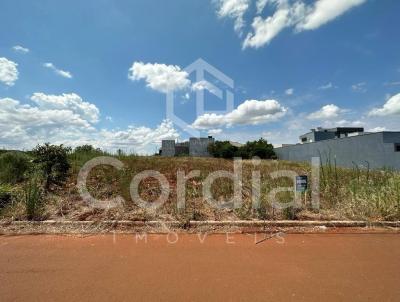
(199, 146)
(168, 148)
(375, 149)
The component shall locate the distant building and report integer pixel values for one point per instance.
(321, 134)
(347, 147)
(194, 147)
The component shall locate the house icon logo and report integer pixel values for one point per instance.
(224, 92)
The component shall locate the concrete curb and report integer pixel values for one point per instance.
(239, 226)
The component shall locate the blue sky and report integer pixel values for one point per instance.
(68, 72)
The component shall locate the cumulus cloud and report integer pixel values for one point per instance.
(60, 72)
(346, 123)
(204, 85)
(67, 120)
(20, 49)
(325, 11)
(391, 107)
(330, 111)
(160, 77)
(22, 125)
(299, 15)
(214, 131)
(377, 129)
(8, 71)
(67, 101)
(234, 9)
(260, 5)
(264, 30)
(250, 112)
(142, 139)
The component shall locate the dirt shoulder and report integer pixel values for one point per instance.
(160, 227)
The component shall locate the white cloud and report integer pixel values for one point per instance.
(214, 131)
(289, 91)
(250, 112)
(330, 111)
(297, 14)
(391, 107)
(204, 85)
(264, 30)
(377, 129)
(23, 126)
(63, 73)
(160, 77)
(234, 9)
(346, 123)
(325, 11)
(326, 86)
(20, 49)
(359, 87)
(143, 140)
(260, 5)
(67, 101)
(8, 72)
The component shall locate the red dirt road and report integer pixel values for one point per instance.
(323, 267)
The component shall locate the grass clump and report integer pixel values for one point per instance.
(33, 199)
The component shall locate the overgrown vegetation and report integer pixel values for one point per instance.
(13, 166)
(260, 148)
(5, 195)
(33, 199)
(344, 193)
(52, 161)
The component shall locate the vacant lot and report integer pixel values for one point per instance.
(352, 267)
(344, 193)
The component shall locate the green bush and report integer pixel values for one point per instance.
(5, 195)
(222, 149)
(13, 166)
(33, 199)
(53, 163)
(87, 149)
(260, 148)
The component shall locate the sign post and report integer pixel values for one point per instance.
(301, 185)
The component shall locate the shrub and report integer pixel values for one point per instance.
(13, 166)
(33, 199)
(87, 149)
(5, 195)
(222, 149)
(53, 162)
(225, 149)
(260, 148)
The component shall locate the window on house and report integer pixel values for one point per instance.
(397, 147)
(304, 139)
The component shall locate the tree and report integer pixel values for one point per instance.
(53, 162)
(85, 149)
(260, 148)
(225, 149)
(222, 149)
